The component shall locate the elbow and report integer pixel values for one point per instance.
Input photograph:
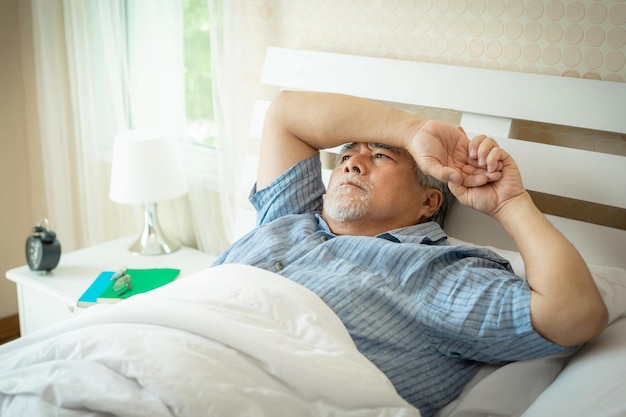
(570, 322)
(590, 324)
(600, 321)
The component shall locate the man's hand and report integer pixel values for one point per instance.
(502, 178)
(479, 173)
(443, 151)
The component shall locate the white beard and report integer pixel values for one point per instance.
(345, 203)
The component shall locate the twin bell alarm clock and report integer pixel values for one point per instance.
(43, 250)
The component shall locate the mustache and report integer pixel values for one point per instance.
(353, 179)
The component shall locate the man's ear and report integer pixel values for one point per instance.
(431, 201)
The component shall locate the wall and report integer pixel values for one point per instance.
(19, 175)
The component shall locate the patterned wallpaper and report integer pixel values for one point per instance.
(580, 39)
(566, 38)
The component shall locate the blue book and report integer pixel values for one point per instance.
(90, 296)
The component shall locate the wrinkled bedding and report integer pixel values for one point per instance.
(229, 340)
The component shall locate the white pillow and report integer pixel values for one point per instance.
(592, 384)
(509, 390)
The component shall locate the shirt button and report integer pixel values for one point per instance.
(324, 238)
(278, 265)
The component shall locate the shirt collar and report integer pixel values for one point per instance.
(429, 233)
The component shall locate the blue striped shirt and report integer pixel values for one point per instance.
(426, 313)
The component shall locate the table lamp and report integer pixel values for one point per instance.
(146, 169)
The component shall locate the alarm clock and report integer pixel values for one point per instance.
(43, 250)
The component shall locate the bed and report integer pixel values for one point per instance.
(236, 340)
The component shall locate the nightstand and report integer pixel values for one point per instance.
(44, 299)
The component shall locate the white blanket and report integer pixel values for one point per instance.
(231, 340)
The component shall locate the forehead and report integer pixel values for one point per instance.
(371, 146)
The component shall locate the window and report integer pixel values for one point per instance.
(198, 88)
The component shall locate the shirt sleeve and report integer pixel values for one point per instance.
(480, 310)
(298, 190)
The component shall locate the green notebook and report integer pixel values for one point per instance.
(141, 280)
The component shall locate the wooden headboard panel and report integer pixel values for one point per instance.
(489, 101)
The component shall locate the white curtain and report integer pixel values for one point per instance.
(235, 83)
(104, 66)
(75, 117)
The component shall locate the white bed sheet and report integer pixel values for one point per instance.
(237, 340)
(230, 340)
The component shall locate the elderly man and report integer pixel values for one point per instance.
(426, 313)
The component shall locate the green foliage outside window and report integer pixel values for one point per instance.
(198, 88)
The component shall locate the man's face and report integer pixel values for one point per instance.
(376, 184)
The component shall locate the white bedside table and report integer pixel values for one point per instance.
(44, 299)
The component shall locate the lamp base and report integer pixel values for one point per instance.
(152, 241)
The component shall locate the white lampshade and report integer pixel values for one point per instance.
(147, 167)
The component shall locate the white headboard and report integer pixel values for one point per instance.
(489, 101)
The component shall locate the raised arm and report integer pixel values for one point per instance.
(566, 306)
(299, 124)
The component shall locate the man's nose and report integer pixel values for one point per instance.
(355, 164)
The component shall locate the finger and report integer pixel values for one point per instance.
(477, 180)
(477, 176)
(493, 176)
(450, 175)
(483, 178)
(474, 145)
(494, 159)
(485, 157)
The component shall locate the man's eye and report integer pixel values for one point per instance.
(380, 155)
(344, 158)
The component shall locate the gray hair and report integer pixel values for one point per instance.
(448, 199)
